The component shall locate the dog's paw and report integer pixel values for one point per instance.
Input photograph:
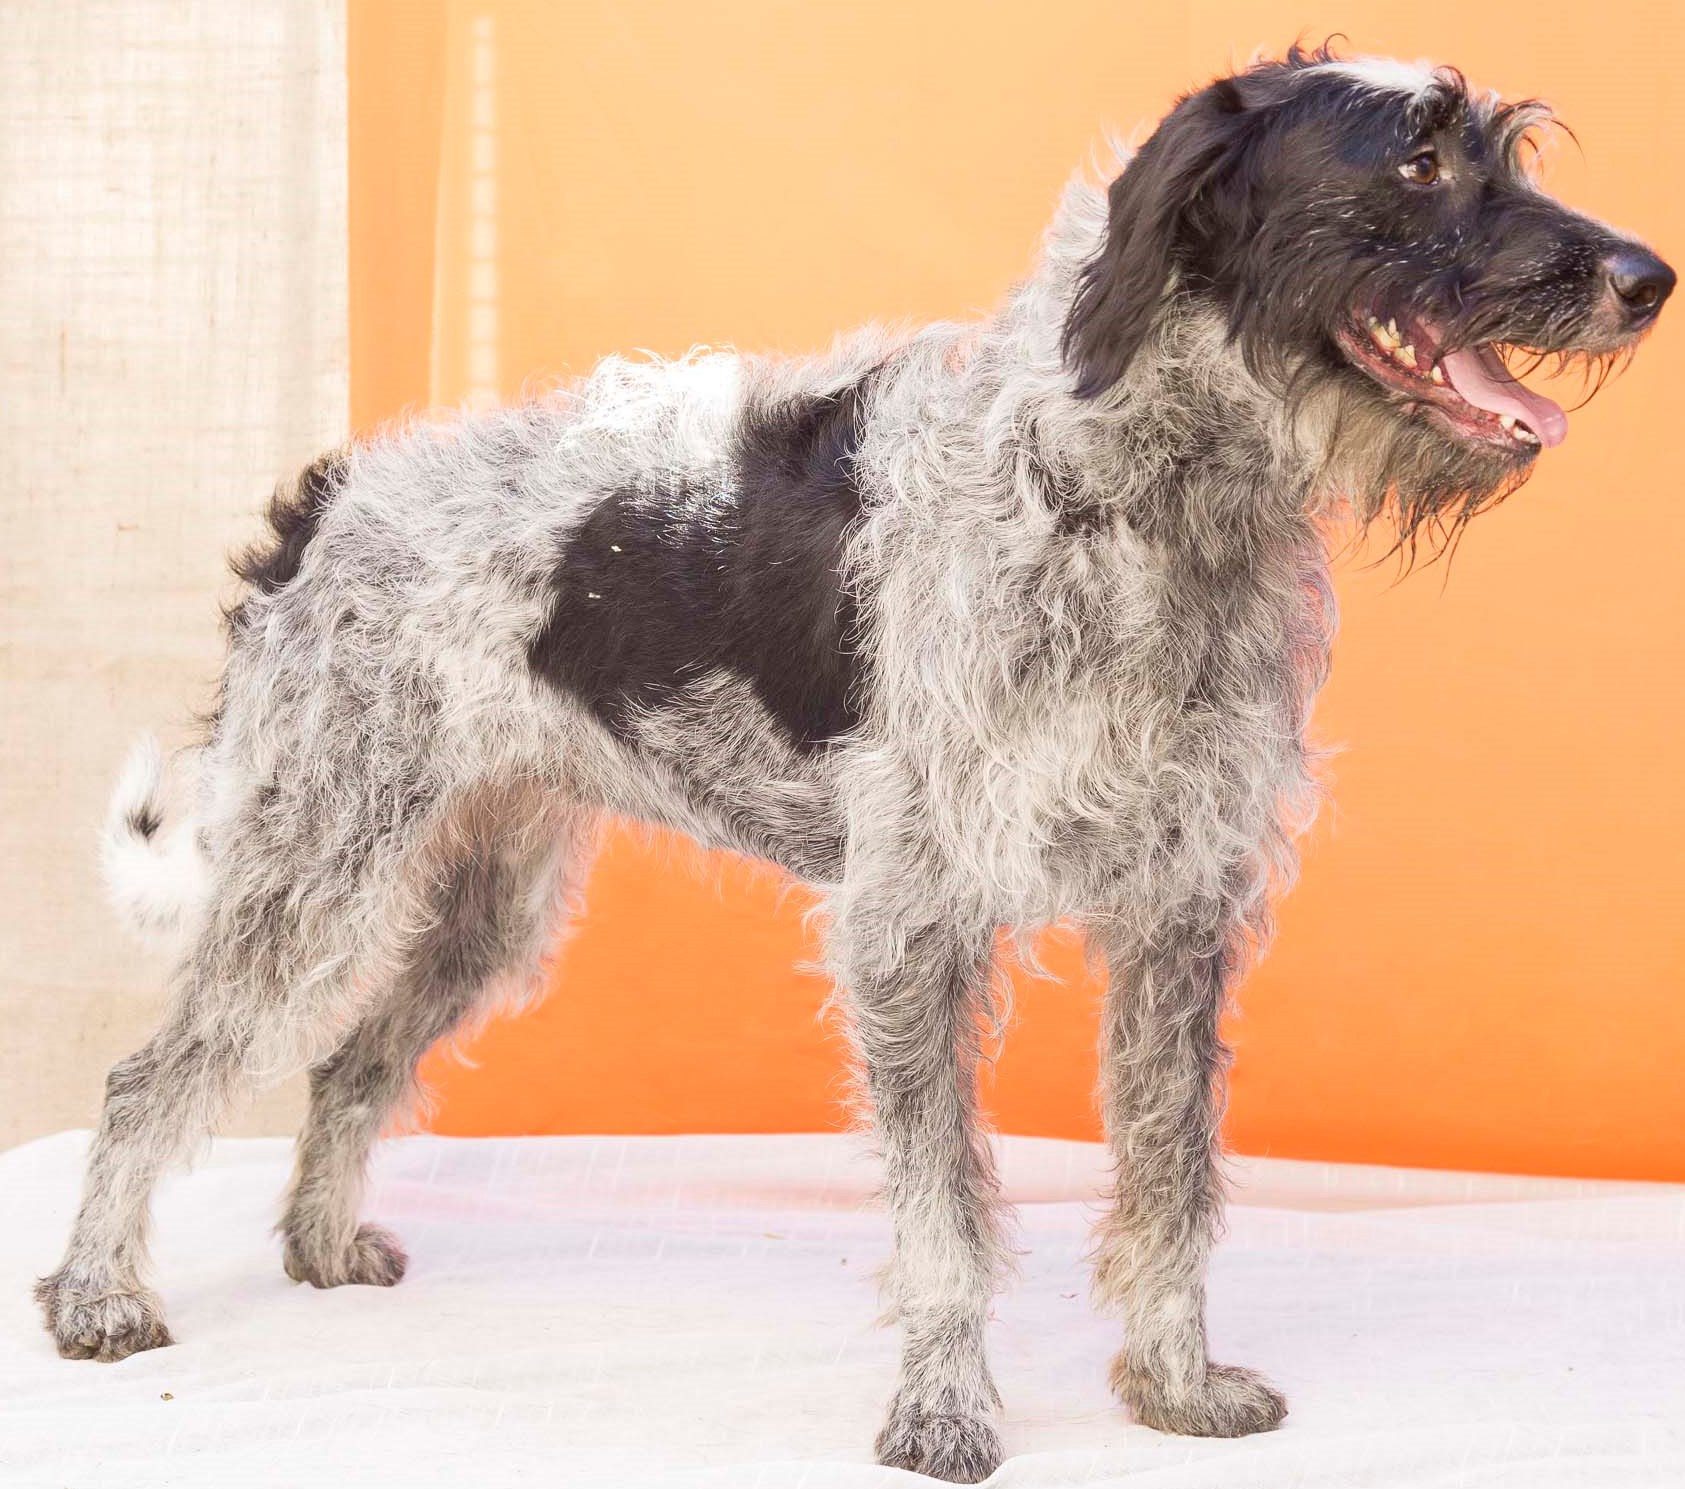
(373, 1259)
(1231, 1402)
(959, 1448)
(100, 1324)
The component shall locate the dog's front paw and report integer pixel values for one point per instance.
(373, 1259)
(90, 1323)
(960, 1448)
(1230, 1402)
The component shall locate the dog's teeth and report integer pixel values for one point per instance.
(1508, 421)
(1407, 355)
(1526, 435)
(1435, 375)
(1386, 337)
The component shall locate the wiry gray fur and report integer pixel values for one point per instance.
(1094, 628)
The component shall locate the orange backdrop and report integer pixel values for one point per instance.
(1482, 965)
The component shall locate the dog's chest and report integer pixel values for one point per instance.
(1170, 742)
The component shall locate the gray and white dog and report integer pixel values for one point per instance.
(974, 627)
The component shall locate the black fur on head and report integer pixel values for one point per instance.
(1371, 230)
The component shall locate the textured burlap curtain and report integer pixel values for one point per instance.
(172, 338)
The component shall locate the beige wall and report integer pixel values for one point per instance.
(172, 338)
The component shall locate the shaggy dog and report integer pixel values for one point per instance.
(982, 626)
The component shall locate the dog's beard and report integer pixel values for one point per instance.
(1399, 467)
(1422, 426)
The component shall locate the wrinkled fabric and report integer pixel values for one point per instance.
(699, 1311)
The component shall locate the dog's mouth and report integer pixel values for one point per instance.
(1469, 389)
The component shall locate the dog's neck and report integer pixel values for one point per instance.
(1173, 450)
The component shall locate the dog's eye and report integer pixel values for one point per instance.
(1421, 169)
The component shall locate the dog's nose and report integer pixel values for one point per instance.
(1641, 281)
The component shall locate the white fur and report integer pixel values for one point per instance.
(1385, 74)
(156, 885)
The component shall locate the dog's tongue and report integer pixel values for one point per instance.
(1480, 376)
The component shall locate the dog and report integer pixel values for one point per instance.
(970, 628)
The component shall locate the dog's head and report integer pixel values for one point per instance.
(1372, 229)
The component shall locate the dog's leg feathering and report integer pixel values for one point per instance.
(158, 1102)
(1164, 1064)
(916, 1010)
(493, 918)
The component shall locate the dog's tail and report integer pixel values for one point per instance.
(156, 882)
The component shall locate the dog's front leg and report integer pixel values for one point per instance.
(1164, 1070)
(916, 996)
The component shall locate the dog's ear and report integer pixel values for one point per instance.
(1151, 205)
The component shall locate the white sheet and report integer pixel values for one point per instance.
(698, 1311)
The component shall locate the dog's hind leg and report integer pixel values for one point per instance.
(159, 1101)
(232, 1016)
(916, 999)
(1164, 1065)
(304, 906)
(498, 907)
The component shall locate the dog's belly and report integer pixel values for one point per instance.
(714, 764)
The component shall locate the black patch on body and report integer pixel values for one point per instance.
(655, 589)
(295, 512)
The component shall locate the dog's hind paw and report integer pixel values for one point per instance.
(958, 1448)
(100, 1324)
(1231, 1402)
(373, 1259)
